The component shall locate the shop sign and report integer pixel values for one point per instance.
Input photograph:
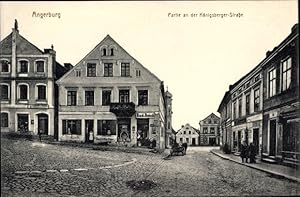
(145, 115)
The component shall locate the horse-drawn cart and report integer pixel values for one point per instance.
(178, 149)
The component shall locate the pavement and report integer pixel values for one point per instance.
(289, 173)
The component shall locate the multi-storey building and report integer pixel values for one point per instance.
(27, 85)
(210, 130)
(188, 134)
(281, 116)
(110, 97)
(169, 112)
(225, 121)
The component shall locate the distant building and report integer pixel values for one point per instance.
(210, 130)
(169, 112)
(28, 90)
(188, 134)
(110, 97)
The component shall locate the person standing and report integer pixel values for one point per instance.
(252, 153)
(244, 152)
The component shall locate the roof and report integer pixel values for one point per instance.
(211, 115)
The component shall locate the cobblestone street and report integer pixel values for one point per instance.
(37, 169)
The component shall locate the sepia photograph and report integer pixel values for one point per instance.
(149, 98)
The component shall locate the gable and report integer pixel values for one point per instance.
(187, 128)
(119, 56)
(24, 47)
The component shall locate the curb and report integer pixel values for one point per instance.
(291, 178)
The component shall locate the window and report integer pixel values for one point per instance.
(23, 92)
(89, 98)
(91, 70)
(184, 132)
(41, 92)
(209, 121)
(111, 52)
(205, 130)
(4, 92)
(108, 69)
(23, 66)
(78, 73)
(143, 97)
(124, 96)
(106, 96)
(138, 73)
(125, 70)
(71, 127)
(248, 104)
(272, 82)
(71, 98)
(190, 132)
(40, 66)
(104, 52)
(187, 140)
(212, 130)
(286, 73)
(256, 100)
(4, 119)
(106, 127)
(4, 66)
(240, 107)
(234, 110)
(180, 140)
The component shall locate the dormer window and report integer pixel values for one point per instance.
(104, 52)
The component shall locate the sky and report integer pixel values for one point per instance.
(197, 57)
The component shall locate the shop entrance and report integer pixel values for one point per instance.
(272, 137)
(256, 139)
(23, 122)
(143, 132)
(89, 131)
(43, 123)
(124, 130)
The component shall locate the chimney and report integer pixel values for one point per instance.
(268, 53)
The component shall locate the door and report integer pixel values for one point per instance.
(143, 132)
(256, 139)
(212, 141)
(193, 141)
(43, 123)
(124, 130)
(239, 140)
(272, 137)
(89, 131)
(23, 122)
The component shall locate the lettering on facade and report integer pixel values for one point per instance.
(145, 115)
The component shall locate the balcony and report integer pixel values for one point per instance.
(122, 109)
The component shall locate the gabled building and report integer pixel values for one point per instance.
(109, 97)
(210, 130)
(27, 85)
(169, 130)
(188, 134)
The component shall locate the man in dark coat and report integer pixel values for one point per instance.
(244, 152)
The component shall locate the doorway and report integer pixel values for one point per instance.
(124, 130)
(89, 131)
(23, 123)
(256, 139)
(239, 140)
(272, 137)
(43, 123)
(143, 132)
(193, 141)
(212, 141)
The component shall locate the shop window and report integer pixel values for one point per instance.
(106, 127)
(91, 70)
(71, 127)
(71, 98)
(89, 98)
(125, 69)
(143, 97)
(41, 92)
(108, 69)
(4, 119)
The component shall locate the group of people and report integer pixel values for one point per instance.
(248, 152)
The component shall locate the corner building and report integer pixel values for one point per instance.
(109, 97)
